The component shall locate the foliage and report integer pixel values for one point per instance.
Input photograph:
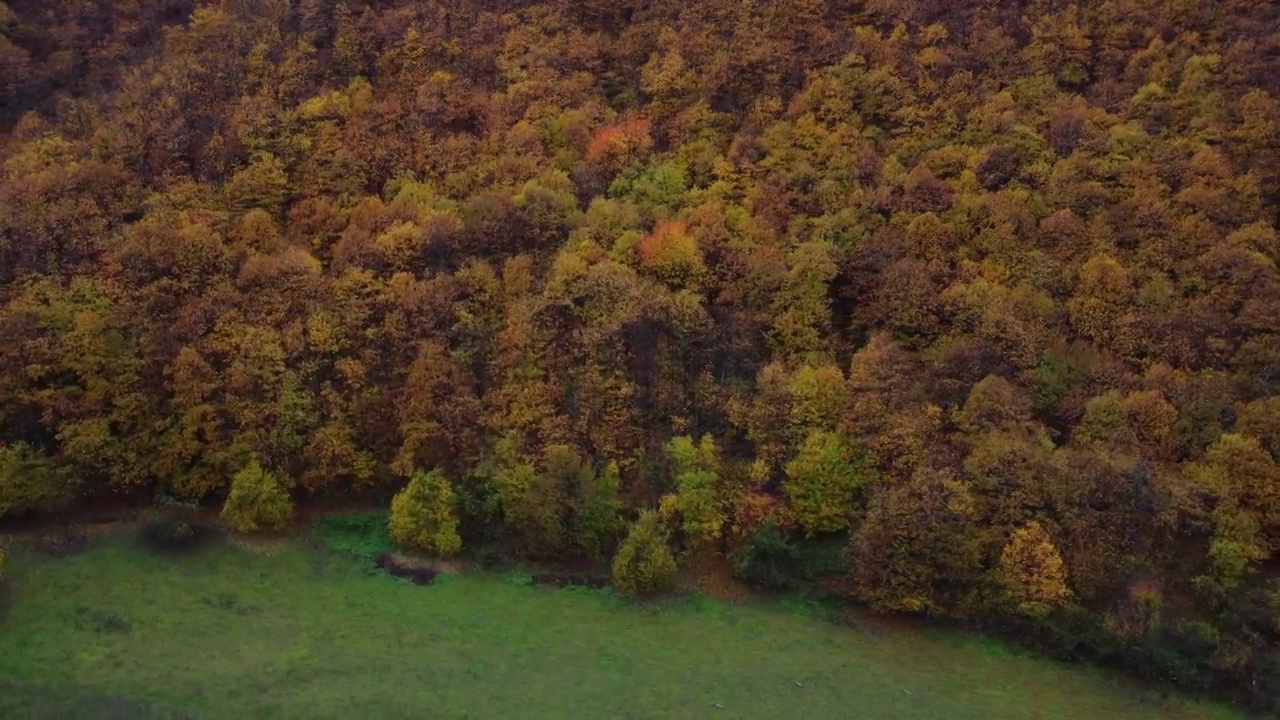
(424, 515)
(532, 502)
(644, 564)
(257, 501)
(925, 271)
(696, 499)
(595, 505)
(822, 483)
(1032, 573)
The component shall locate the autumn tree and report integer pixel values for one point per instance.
(823, 482)
(424, 515)
(644, 564)
(258, 501)
(1032, 573)
(696, 500)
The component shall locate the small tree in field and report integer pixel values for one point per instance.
(424, 515)
(644, 564)
(258, 501)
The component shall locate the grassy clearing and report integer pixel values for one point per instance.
(227, 633)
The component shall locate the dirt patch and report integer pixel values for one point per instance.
(416, 571)
(711, 574)
(570, 580)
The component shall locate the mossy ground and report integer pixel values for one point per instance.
(305, 632)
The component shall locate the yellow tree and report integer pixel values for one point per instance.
(258, 501)
(424, 515)
(1032, 573)
(823, 483)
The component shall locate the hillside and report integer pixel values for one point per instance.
(984, 292)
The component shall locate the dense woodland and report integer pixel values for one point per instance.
(985, 292)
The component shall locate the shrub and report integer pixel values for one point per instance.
(595, 512)
(644, 564)
(769, 559)
(774, 559)
(424, 515)
(258, 501)
(4, 558)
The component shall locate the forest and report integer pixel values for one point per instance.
(981, 294)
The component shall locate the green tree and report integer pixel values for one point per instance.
(822, 483)
(424, 515)
(258, 501)
(696, 499)
(595, 504)
(644, 564)
(533, 503)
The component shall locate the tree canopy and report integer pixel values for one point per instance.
(988, 290)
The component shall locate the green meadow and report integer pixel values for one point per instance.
(223, 632)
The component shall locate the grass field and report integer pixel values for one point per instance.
(226, 633)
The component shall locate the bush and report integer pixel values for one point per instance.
(257, 501)
(644, 564)
(424, 515)
(769, 559)
(773, 559)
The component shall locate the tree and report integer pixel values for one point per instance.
(1032, 573)
(1240, 477)
(696, 499)
(822, 483)
(595, 504)
(671, 254)
(644, 564)
(262, 184)
(533, 503)
(424, 515)
(257, 501)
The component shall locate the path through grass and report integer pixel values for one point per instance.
(225, 633)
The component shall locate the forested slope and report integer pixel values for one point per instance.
(989, 287)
